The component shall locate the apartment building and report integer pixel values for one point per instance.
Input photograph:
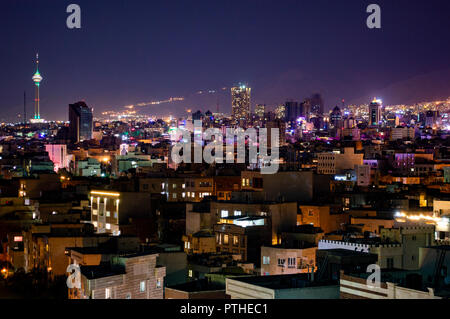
(200, 242)
(243, 241)
(395, 284)
(336, 162)
(276, 217)
(198, 188)
(128, 276)
(288, 259)
(297, 286)
(285, 186)
(389, 255)
(322, 216)
(111, 209)
(412, 237)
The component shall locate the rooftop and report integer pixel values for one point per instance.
(198, 285)
(278, 282)
(100, 271)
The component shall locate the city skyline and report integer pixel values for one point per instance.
(226, 152)
(284, 51)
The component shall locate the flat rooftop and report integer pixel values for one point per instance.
(101, 271)
(277, 282)
(198, 286)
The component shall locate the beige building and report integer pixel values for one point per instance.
(354, 286)
(198, 187)
(333, 163)
(412, 238)
(111, 209)
(372, 224)
(279, 260)
(133, 276)
(389, 255)
(200, 242)
(298, 286)
(321, 216)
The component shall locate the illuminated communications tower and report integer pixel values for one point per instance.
(37, 78)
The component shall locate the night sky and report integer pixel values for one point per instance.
(132, 51)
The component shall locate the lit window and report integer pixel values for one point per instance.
(108, 293)
(142, 286)
(108, 213)
(224, 213)
(190, 273)
(158, 283)
(266, 260)
(108, 226)
(225, 239)
(237, 213)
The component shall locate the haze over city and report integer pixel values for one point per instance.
(130, 52)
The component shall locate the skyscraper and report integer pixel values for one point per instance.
(306, 109)
(280, 112)
(80, 117)
(240, 104)
(260, 109)
(293, 111)
(317, 105)
(375, 112)
(336, 117)
(37, 78)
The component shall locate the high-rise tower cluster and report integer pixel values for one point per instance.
(240, 104)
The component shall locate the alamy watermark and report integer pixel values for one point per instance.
(74, 278)
(213, 152)
(374, 279)
(74, 19)
(374, 19)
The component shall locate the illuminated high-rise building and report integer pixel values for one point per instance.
(37, 78)
(317, 104)
(240, 104)
(280, 112)
(80, 117)
(260, 109)
(293, 111)
(336, 117)
(375, 112)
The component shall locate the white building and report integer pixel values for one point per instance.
(389, 255)
(279, 260)
(58, 155)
